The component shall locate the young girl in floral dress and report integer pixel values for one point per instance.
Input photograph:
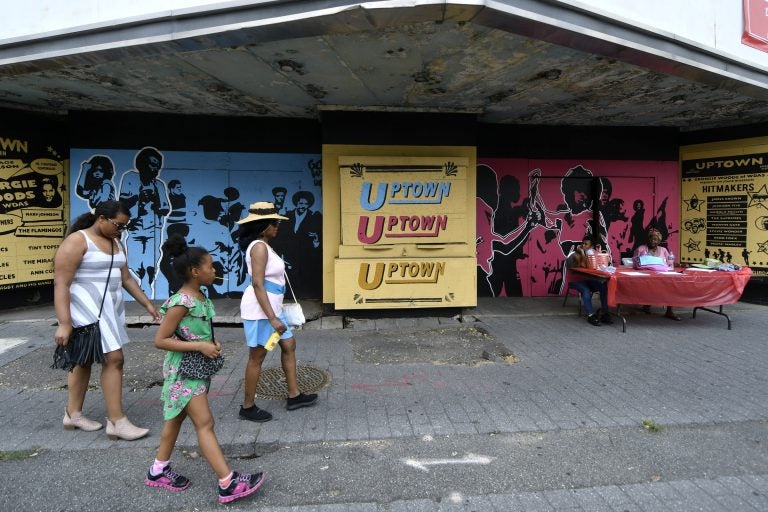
(186, 327)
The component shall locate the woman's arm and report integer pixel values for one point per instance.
(65, 262)
(259, 255)
(131, 286)
(164, 336)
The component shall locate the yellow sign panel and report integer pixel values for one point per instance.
(397, 200)
(403, 283)
(399, 205)
(33, 208)
(724, 206)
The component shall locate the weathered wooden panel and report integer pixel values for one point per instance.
(363, 283)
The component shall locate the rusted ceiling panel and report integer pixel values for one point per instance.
(442, 57)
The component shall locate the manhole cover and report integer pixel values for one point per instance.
(272, 381)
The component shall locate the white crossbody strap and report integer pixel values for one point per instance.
(290, 287)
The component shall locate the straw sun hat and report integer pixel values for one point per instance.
(261, 210)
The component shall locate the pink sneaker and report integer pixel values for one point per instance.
(241, 486)
(168, 479)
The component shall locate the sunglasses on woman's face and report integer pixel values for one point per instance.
(275, 223)
(117, 225)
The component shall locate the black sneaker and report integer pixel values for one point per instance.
(168, 479)
(253, 413)
(240, 486)
(593, 319)
(301, 400)
(605, 318)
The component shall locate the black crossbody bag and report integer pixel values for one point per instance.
(195, 365)
(84, 346)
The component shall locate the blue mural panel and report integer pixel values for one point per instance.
(201, 195)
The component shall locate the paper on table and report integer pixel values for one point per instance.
(701, 269)
(635, 274)
(671, 272)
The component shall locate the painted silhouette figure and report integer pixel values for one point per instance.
(486, 202)
(279, 194)
(94, 184)
(214, 233)
(178, 201)
(612, 209)
(571, 223)
(512, 223)
(147, 199)
(301, 245)
(637, 226)
(659, 221)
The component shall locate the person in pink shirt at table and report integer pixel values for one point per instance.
(652, 248)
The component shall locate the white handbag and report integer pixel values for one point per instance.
(294, 315)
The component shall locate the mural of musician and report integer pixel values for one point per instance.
(522, 243)
(146, 197)
(94, 184)
(279, 194)
(193, 205)
(299, 243)
(503, 225)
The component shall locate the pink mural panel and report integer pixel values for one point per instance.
(530, 214)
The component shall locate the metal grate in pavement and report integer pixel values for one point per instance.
(272, 381)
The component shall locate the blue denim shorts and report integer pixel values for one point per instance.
(257, 332)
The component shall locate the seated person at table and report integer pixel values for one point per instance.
(586, 286)
(652, 248)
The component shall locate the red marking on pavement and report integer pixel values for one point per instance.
(222, 392)
(385, 384)
(405, 381)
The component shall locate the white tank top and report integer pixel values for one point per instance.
(275, 272)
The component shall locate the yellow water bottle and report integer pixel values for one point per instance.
(272, 341)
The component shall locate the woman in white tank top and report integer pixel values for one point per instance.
(261, 309)
(88, 257)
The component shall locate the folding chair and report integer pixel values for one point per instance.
(569, 289)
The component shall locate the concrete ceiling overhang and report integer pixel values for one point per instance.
(512, 62)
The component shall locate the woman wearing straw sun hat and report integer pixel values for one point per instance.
(261, 309)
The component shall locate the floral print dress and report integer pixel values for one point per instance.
(179, 389)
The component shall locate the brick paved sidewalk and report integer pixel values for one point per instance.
(565, 374)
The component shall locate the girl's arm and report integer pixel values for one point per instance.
(164, 336)
(131, 286)
(65, 262)
(259, 255)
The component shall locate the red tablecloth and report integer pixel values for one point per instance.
(686, 287)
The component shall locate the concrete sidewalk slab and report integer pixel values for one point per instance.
(565, 377)
(568, 374)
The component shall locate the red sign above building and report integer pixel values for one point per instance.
(756, 24)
